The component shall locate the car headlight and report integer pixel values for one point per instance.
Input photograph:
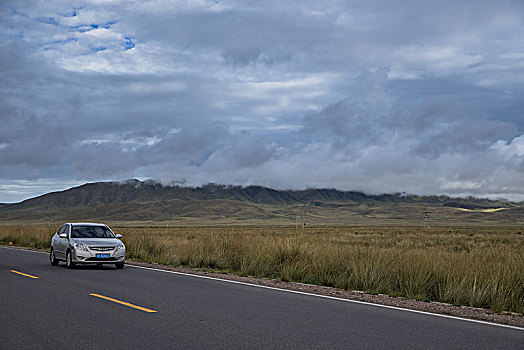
(120, 246)
(80, 246)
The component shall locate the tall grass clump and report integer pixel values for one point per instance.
(38, 237)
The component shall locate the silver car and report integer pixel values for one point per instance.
(87, 243)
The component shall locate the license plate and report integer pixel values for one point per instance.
(102, 256)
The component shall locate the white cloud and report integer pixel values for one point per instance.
(512, 149)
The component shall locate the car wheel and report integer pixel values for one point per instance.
(69, 260)
(52, 258)
(119, 265)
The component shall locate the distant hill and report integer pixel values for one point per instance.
(151, 202)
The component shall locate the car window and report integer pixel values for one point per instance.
(91, 232)
(62, 229)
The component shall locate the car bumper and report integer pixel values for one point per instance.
(90, 257)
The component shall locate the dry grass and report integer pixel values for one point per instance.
(480, 267)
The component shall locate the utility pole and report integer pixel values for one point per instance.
(426, 218)
(304, 216)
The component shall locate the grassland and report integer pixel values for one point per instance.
(477, 266)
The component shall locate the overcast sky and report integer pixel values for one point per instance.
(424, 97)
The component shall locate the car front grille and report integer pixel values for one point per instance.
(102, 249)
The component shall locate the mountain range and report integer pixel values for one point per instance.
(149, 202)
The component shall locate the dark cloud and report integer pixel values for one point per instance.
(374, 115)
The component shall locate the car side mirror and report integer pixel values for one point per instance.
(118, 235)
(63, 235)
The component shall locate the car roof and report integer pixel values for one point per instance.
(86, 223)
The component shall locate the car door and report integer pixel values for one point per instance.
(61, 243)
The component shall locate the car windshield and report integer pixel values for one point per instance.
(91, 232)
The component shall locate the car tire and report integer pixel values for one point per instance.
(52, 258)
(119, 265)
(69, 260)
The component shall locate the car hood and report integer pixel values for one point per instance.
(99, 242)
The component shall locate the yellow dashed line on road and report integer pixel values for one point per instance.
(122, 302)
(23, 274)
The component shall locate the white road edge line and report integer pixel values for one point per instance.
(333, 298)
(310, 294)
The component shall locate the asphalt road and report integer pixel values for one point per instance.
(57, 309)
